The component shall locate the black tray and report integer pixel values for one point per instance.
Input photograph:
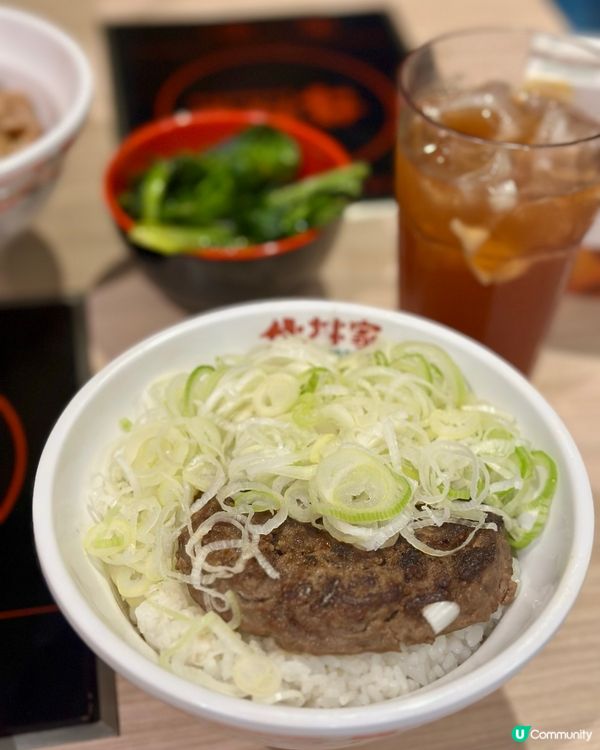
(52, 688)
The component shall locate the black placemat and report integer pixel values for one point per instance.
(48, 678)
(337, 73)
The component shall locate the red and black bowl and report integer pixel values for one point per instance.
(202, 278)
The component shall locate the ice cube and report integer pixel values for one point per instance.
(431, 111)
(503, 196)
(494, 174)
(558, 124)
(471, 237)
(487, 272)
(493, 267)
(493, 99)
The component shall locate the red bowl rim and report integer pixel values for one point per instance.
(144, 134)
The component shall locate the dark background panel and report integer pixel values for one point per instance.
(38, 375)
(47, 676)
(337, 73)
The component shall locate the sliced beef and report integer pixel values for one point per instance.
(332, 598)
(18, 122)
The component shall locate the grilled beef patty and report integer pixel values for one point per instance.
(333, 598)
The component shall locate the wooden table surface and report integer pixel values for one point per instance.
(73, 249)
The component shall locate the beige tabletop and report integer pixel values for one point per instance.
(73, 249)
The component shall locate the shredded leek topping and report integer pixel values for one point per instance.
(367, 446)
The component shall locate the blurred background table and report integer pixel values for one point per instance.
(73, 249)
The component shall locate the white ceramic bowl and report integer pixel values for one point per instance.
(552, 569)
(44, 63)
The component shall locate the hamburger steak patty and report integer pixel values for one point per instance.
(333, 598)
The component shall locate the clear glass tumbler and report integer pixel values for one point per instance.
(497, 180)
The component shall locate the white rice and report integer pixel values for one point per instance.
(306, 680)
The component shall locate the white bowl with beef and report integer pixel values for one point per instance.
(360, 620)
(45, 94)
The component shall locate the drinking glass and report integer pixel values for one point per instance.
(497, 180)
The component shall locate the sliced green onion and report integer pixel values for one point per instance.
(256, 675)
(107, 538)
(129, 583)
(317, 376)
(453, 424)
(414, 364)
(304, 411)
(540, 505)
(525, 462)
(409, 470)
(256, 500)
(125, 424)
(357, 487)
(276, 395)
(191, 384)
(463, 494)
(440, 363)
(380, 358)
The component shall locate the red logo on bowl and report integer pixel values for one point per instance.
(33, 180)
(358, 333)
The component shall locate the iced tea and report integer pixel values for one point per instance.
(497, 185)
